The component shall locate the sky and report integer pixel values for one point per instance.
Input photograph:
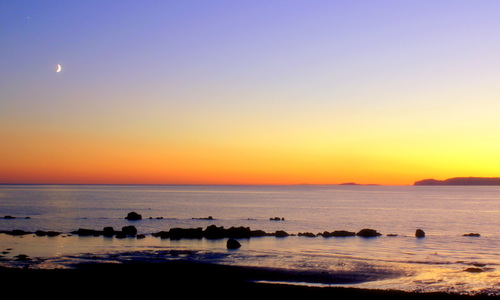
(248, 92)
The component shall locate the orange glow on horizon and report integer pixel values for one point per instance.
(78, 159)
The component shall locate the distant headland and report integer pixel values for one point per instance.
(461, 181)
(354, 183)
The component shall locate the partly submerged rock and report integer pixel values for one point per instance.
(129, 230)
(306, 234)
(338, 233)
(207, 218)
(22, 257)
(189, 233)
(15, 232)
(367, 232)
(474, 270)
(108, 231)
(281, 233)
(133, 216)
(47, 233)
(233, 244)
(419, 233)
(87, 232)
(214, 232)
(472, 234)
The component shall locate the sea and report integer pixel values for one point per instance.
(447, 259)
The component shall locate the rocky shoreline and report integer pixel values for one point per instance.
(210, 232)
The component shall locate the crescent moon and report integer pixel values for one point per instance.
(59, 68)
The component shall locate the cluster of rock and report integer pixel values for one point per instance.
(211, 232)
(127, 231)
(47, 233)
(215, 232)
(15, 232)
(204, 218)
(9, 217)
(367, 232)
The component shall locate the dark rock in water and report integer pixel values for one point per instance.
(233, 244)
(472, 234)
(258, 233)
(277, 219)
(47, 233)
(214, 232)
(162, 234)
(22, 257)
(120, 235)
(343, 233)
(367, 232)
(108, 231)
(141, 236)
(281, 233)
(238, 232)
(129, 230)
(9, 217)
(133, 216)
(306, 234)
(40, 233)
(419, 233)
(207, 218)
(338, 233)
(392, 234)
(189, 233)
(17, 232)
(474, 270)
(86, 232)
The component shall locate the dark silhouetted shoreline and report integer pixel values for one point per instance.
(180, 278)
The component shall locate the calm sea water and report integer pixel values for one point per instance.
(437, 262)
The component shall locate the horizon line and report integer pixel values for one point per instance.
(212, 184)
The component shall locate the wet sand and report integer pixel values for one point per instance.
(180, 279)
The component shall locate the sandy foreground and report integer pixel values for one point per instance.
(180, 280)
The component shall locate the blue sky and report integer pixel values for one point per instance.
(313, 83)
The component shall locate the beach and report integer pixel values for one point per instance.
(181, 278)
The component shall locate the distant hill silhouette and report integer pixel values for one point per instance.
(354, 183)
(461, 181)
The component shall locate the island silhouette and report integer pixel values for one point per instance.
(461, 181)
